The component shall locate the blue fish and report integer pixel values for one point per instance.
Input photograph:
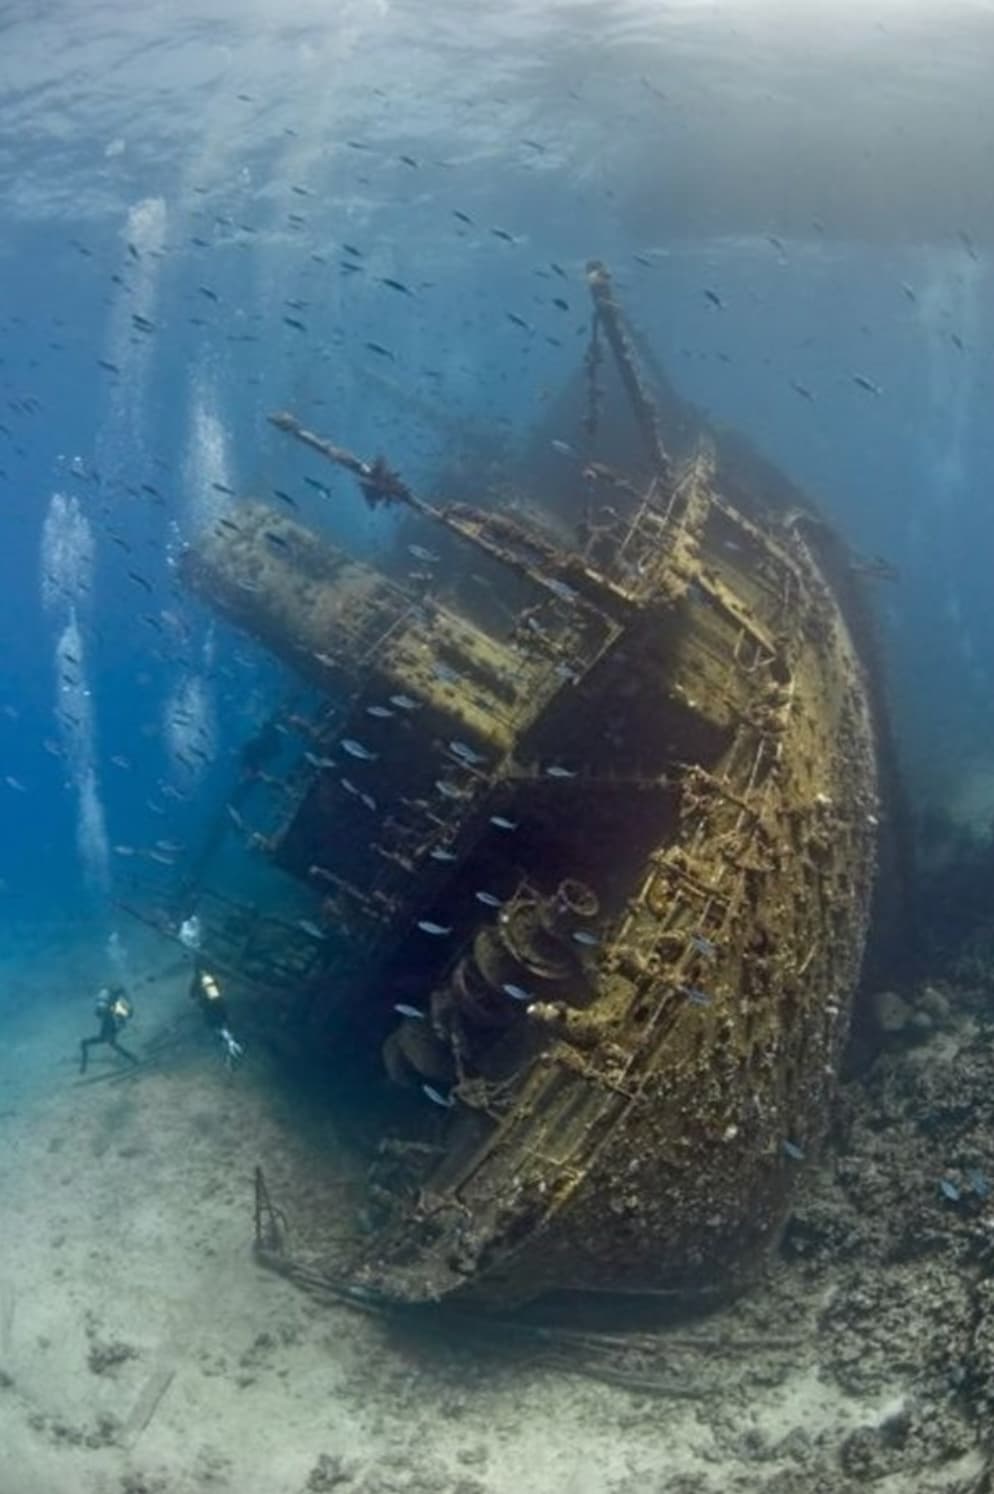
(427, 927)
(793, 1151)
(949, 1190)
(357, 750)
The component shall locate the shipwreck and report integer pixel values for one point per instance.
(584, 814)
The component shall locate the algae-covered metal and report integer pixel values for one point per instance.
(609, 846)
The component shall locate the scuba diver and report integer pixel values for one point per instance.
(113, 1010)
(206, 992)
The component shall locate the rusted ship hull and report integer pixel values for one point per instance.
(620, 856)
(654, 1141)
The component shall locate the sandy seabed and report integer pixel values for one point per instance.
(143, 1350)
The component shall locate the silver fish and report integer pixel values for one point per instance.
(319, 762)
(441, 855)
(695, 996)
(585, 937)
(368, 800)
(563, 448)
(443, 672)
(310, 928)
(501, 823)
(555, 771)
(381, 713)
(978, 1182)
(793, 1151)
(427, 927)
(488, 900)
(348, 785)
(427, 557)
(408, 1011)
(466, 753)
(446, 1101)
(357, 750)
(516, 993)
(448, 790)
(702, 945)
(405, 703)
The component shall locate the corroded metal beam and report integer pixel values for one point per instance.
(497, 535)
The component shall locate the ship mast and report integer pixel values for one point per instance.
(607, 314)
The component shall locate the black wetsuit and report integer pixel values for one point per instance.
(111, 1023)
(214, 1008)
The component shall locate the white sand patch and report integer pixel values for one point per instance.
(143, 1350)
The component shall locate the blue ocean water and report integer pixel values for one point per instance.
(377, 214)
(204, 170)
